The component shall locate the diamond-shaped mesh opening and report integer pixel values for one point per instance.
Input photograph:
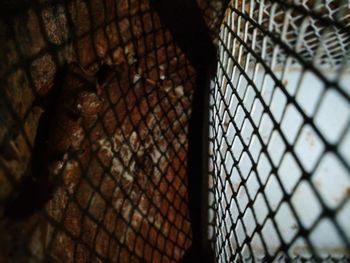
(94, 158)
(279, 173)
(114, 140)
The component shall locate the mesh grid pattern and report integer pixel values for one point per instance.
(279, 127)
(279, 133)
(117, 148)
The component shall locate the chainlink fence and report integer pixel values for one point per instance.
(108, 150)
(279, 133)
(96, 172)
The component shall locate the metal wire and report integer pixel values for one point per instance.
(122, 164)
(279, 133)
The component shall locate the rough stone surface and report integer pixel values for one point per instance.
(123, 195)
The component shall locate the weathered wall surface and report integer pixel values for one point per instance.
(123, 195)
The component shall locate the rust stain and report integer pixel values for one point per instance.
(347, 192)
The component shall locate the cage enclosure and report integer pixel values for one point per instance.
(114, 146)
(279, 133)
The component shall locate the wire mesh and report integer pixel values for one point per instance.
(113, 156)
(279, 133)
